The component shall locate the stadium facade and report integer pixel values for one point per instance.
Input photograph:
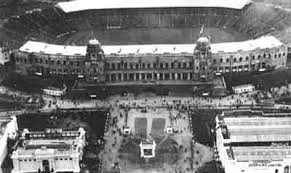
(123, 63)
(253, 141)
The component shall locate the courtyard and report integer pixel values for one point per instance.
(175, 152)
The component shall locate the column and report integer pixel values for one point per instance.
(145, 76)
(122, 77)
(189, 77)
(134, 76)
(140, 78)
(109, 77)
(158, 76)
(176, 76)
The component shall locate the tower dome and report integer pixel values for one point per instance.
(94, 50)
(94, 42)
(203, 40)
(203, 44)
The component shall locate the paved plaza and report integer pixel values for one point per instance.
(175, 152)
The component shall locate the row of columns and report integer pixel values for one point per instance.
(147, 76)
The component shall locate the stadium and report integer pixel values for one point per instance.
(147, 42)
(75, 23)
(66, 21)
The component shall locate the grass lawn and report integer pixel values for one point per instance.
(158, 126)
(140, 126)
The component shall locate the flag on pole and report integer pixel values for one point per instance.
(202, 29)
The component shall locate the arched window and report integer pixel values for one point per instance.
(227, 60)
(259, 56)
(240, 59)
(191, 64)
(214, 61)
(247, 58)
(234, 59)
(184, 65)
(221, 60)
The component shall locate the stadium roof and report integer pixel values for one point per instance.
(52, 49)
(79, 5)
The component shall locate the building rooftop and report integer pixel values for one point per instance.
(261, 153)
(228, 47)
(56, 141)
(79, 5)
(243, 86)
(262, 136)
(3, 124)
(258, 129)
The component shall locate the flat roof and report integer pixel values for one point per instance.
(228, 47)
(3, 124)
(257, 153)
(256, 135)
(80, 5)
(258, 129)
(243, 86)
(59, 141)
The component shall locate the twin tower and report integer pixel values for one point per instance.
(201, 62)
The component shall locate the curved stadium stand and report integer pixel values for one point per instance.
(51, 23)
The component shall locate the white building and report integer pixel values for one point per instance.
(53, 91)
(52, 150)
(243, 88)
(147, 148)
(254, 142)
(8, 130)
(4, 56)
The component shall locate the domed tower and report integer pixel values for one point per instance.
(202, 60)
(95, 60)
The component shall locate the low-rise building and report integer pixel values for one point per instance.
(52, 150)
(254, 141)
(147, 148)
(243, 88)
(8, 129)
(4, 55)
(54, 91)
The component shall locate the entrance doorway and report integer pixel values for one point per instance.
(46, 166)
